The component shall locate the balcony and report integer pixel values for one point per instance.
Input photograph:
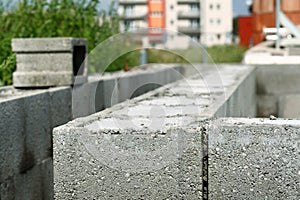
(189, 30)
(188, 15)
(132, 2)
(134, 16)
(187, 1)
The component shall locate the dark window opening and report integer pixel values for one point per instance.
(78, 60)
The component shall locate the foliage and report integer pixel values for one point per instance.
(226, 53)
(217, 54)
(55, 18)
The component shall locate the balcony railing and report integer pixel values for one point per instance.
(135, 2)
(188, 15)
(134, 16)
(189, 30)
(187, 1)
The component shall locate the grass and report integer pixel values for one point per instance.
(216, 54)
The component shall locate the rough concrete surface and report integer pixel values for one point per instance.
(254, 159)
(122, 164)
(34, 45)
(289, 106)
(277, 79)
(45, 62)
(144, 147)
(27, 118)
(267, 105)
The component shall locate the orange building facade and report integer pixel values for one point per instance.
(156, 17)
(264, 15)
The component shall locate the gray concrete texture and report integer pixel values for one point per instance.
(277, 85)
(253, 159)
(118, 164)
(46, 45)
(103, 91)
(27, 119)
(44, 62)
(289, 106)
(145, 147)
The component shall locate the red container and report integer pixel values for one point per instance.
(245, 30)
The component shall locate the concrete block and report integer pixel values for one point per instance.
(12, 124)
(42, 79)
(37, 130)
(289, 106)
(46, 45)
(267, 105)
(43, 62)
(127, 163)
(36, 182)
(109, 92)
(60, 105)
(136, 149)
(253, 159)
(40, 62)
(233, 94)
(277, 79)
(87, 98)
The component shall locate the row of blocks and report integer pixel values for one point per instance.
(166, 144)
(232, 158)
(28, 117)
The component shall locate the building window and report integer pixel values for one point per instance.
(219, 21)
(129, 9)
(194, 23)
(211, 6)
(194, 7)
(129, 25)
(172, 22)
(156, 14)
(195, 38)
(211, 21)
(171, 7)
(155, 30)
(218, 6)
(219, 36)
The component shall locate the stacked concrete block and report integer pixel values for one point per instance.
(253, 159)
(27, 118)
(103, 91)
(44, 62)
(131, 163)
(145, 148)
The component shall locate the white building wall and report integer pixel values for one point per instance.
(215, 20)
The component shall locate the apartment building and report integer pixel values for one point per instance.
(170, 21)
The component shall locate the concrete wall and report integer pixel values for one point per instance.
(253, 159)
(278, 90)
(27, 118)
(149, 147)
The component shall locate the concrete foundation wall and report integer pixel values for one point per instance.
(26, 123)
(253, 159)
(277, 90)
(27, 118)
(148, 147)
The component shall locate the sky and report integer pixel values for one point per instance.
(239, 6)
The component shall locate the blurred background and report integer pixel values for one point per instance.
(167, 31)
